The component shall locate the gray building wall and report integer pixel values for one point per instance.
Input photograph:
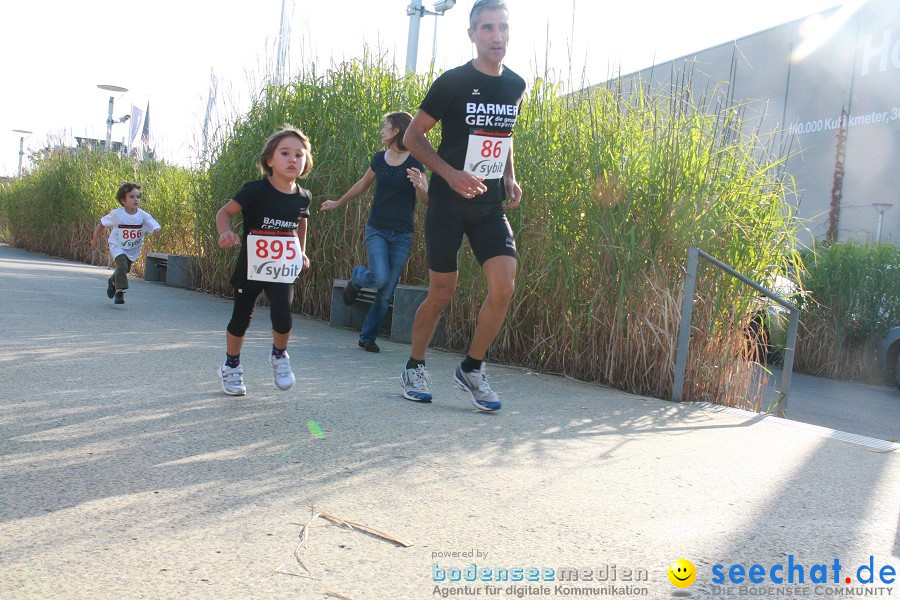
(799, 101)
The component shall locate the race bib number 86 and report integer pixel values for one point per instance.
(486, 154)
(273, 258)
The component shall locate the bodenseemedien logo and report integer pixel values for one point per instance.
(682, 573)
(526, 581)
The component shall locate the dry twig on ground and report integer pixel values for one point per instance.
(363, 528)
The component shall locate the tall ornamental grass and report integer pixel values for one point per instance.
(615, 190)
(55, 208)
(853, 297)
(341, 111)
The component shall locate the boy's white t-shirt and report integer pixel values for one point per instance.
(127, 231)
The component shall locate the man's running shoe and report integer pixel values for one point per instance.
(476, 385)
(284, 375)
(415, 384)
(110, 289)
(232, 380)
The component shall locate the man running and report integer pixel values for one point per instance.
(473, 174)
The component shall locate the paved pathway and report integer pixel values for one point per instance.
(126, 473)
(857, 408)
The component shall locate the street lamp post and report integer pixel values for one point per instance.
(109, 119)
(416, 11)
(22, 135)
(881, 207)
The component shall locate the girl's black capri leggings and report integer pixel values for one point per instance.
(280, 296)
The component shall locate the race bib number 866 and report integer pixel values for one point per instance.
(273, 258)
(129, 236)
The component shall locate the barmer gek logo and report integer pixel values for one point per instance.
(475, 92)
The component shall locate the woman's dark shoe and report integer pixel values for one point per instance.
(350, 294)
(369, 346)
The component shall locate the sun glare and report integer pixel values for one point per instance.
(816, 30)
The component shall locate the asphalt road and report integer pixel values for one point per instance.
(869, 410)
(126, 473)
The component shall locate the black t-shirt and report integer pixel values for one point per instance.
(479, 109)
(394, 202)
(267, 210)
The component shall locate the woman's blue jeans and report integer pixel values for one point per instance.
(388, 252)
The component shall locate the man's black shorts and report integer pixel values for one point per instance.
(485, 224)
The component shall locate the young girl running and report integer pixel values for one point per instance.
(273, 251)
(399, 180)
(127, 225)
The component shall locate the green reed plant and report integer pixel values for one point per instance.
(616, 188)
(853, 298)
(55, 208)
(341, 110)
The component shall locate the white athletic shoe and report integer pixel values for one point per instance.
(232, 380)
(284, 375)
(476, 385)
(415, 384)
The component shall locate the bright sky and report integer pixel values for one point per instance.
(55, 52)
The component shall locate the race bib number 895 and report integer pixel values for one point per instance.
(273, 258)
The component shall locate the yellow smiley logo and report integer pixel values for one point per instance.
(682, 573)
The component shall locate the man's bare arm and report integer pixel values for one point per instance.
(415, 140)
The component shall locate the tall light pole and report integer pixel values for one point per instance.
(284, 42)
(22, 135)
(881, 207)
(109, 119)
(416, 11)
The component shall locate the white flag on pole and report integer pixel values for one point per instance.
(137, 126)
(210, 103)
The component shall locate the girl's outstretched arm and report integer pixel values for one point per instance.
(358, 188)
